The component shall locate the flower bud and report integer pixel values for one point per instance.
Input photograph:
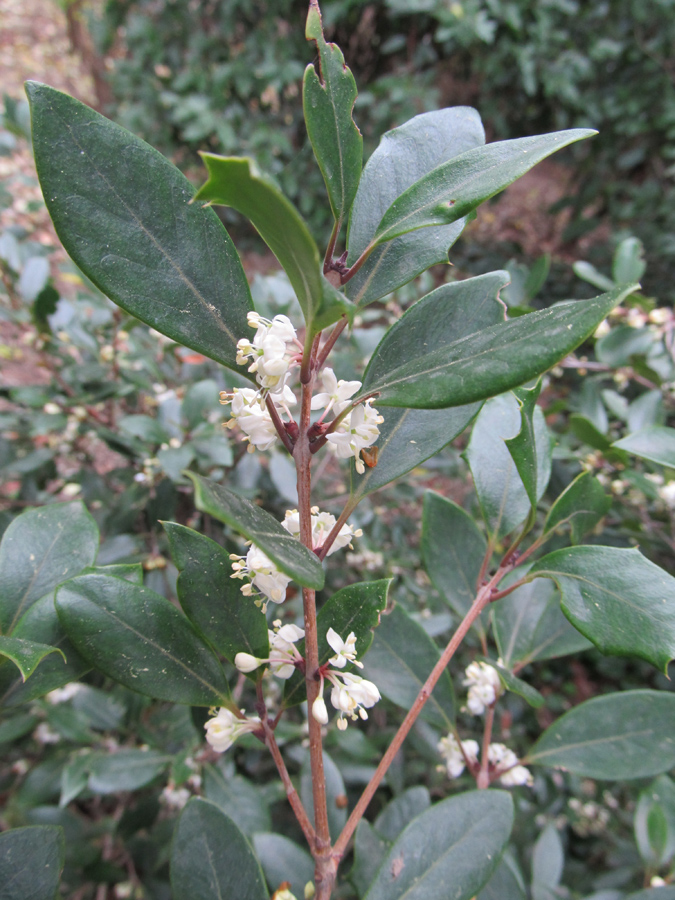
(246, 663)
(319, 711)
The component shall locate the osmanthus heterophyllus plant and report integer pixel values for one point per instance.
(127, 218)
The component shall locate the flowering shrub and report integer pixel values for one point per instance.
(130, 222)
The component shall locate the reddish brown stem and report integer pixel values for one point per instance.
(330, 342)
(278, 424)
(483, 780)
(322, 551)
(291, 793)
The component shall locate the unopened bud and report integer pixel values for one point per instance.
(245, 662)
(319, 711)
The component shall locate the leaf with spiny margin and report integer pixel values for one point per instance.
(403, 156)
(457, 842)
(123, 212)
(26, 655)
(31, 861)
(354, 608)
(40, 549)
(453, 549)
(581, 505)
(618, 736)
(528, 624)
(401, 660)
(237, 182)
(259, 526)
(504, 502)
(140, 639)
(457, 187)
(211, 599)
(523, 447)
(328, 101)
(656, 443)
(494, 359)
(616, 598)
(211, 858)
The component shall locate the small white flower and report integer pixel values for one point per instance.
(484, 687)
(336, 394)
(351, 696)
(65, 693)
(322, 524)
(319, 710)
(283, 654)
(504, 760)
(345, 651)
(667, 494)
(261, 573)
(43, 734)
(246, 663)
(224, 729)
(355, 433)
(268, 351)
(173, 797)
(451, 751)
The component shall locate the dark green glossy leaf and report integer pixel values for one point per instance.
(517, 686)
(548, 860)
(453, 549)
(40, 623)
(354, 608)
(237, 797)
(523, 447)
(26, 655)
(506, 882)
(336, 794)
(658, 893)
(456, 843)
(257, 525)
(495, 359)
(40, 549)
(283, 860)
(211, 599)
(457, 187)
(628, 263)
(211, 859)
(588, 432)
(654, 822)
(403, 156)
(125, 770)
(141, 640)
(123, 213)
(328, 100)
(657, 444)
(236, 182)
(31, 860)
(400, 812)
(619, 600)
(618, 736)
(622, 343)
(129, 571)
(503, 499)
(369, 851)
(528, 625)
(401, 660)
(581, 505)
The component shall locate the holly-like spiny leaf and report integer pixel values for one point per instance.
(581, 505)
(26, 655)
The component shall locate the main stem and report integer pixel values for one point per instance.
(325, 866)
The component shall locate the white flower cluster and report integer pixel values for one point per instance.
(250, 413)
(263, 579)
(484, 687)
(502, 762)
(269, 351)
(225, 727)
(351, 694)
(283, 654)
(358, 430)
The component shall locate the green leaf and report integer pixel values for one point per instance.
(588, 432)
(523, 447)
(283, 860)
(259, 526)
(126, 769)
(457, 842)
(354, 608)
(622, 343)
(629, 263)
(336, 794)
(657, 444)
(400, 661)
(403, 156)
(40, 549)
(506, 882)
(503, 499)
(614, 737)
(123, 213)
(494, 359)
(237, 182)
(31, 861)
(654, 822)
(528, 625)
(548, 860)
(211, 599)
(41, 624)
(237, 797)
(582, 505)
(453, 549)
(517, 686)
(211, 859)
(658, 893)
(369, 851)
(140, 639)
(457, 187)
(328, 101)
(26, 655)
(619, 600)
(400, 811)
